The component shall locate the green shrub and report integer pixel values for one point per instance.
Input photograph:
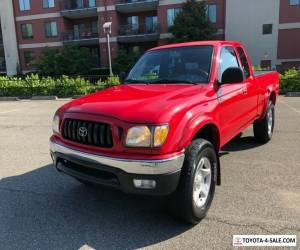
(64, 86)
(70, 60)
(124, 61)
(112, 81)
(290, 80)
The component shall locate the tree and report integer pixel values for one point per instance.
(192, 23)
(70, 60)
(124, 61)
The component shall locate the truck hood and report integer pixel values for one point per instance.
(141, 103)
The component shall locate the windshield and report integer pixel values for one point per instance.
(176, 65)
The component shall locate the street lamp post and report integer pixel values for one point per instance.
(107, 31)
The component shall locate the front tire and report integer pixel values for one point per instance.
(193, 197)
(263, 129)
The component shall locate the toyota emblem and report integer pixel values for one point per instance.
(83, 131)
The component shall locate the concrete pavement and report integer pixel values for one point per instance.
(43, 209)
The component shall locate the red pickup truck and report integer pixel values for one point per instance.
(161, 130)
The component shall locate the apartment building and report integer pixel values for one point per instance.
(269, 28)
(136, 25)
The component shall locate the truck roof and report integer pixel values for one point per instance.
(197, 43)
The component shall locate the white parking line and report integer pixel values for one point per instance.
(290, 107)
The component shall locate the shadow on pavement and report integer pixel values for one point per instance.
(240, 143)
(44, 209)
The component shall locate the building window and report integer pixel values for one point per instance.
(265, 64)
(29, 58)
(24, 5)
(94, 27)
(48, 4)
(92, 3)
(133, 23)
(212, 13)
(294, 2)
(267, 29)
(78, 30)
(51, 29)
(151, 24)
(171, 14)
(26, 29)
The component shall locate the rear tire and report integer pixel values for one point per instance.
(196, 188)
(263, 129)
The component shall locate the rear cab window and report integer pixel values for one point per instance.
(244, 61)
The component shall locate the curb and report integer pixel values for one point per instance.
(4, 99)
(293, 94)
(36, 98)
(76, 96)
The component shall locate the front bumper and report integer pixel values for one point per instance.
(118, 172)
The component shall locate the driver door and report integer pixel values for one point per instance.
(230, 97)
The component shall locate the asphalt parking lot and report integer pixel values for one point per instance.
(43, 209)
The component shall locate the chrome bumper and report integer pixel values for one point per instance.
(148, 167)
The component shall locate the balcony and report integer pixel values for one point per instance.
(138, 33)
(83, 38)
(78, 9)
(131, 6)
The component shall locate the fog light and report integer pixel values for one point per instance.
(144, 184)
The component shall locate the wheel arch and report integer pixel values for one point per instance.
(210, 132)
(273, 97)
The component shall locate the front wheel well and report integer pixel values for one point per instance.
(209, 132)
(273, 97)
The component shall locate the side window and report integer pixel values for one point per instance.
(244, 62)
(228, 59)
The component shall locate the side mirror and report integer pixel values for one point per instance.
(122, 76)
(232, 75)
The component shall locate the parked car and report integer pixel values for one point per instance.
(160, 132)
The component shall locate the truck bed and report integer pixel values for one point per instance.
(262, 72)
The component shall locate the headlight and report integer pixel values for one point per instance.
(160, 135)
(143, 136)
(55, 124)
(138, 137)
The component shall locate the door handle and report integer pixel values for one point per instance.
(244, 90)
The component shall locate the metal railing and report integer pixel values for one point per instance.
(77, 36)
(126, 30)
(77, 4)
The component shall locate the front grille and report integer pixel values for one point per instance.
(86, 132)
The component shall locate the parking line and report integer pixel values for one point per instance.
(290, 107)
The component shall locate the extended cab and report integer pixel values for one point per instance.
(161, 130)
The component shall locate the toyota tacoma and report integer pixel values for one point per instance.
(161, 130)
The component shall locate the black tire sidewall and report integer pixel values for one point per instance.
(260, 127)
(271, 106)
(183, 197)
(206, 151)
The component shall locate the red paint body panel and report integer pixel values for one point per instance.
(230, 108)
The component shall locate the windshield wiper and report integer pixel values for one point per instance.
(172, 81)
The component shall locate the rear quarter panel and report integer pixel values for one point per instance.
(267, 83)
